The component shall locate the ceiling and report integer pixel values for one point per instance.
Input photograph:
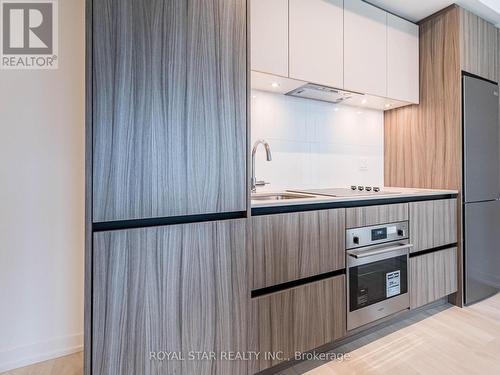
(416, 10)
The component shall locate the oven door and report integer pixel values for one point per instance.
(377, 282)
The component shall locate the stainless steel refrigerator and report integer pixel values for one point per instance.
(481, 189)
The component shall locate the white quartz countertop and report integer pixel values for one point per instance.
(391, 193)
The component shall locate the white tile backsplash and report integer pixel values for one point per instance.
(316, 144)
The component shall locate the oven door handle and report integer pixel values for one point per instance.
(360, 254)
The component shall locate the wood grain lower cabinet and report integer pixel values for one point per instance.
(300, 319)
(172, 289)
(291, 246)
(373, 215)
(433, 224)
(432, 276)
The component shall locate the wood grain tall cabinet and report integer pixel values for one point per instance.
(423, 143)
(166, 201)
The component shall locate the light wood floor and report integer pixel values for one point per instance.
(69, 365)
(444, 340)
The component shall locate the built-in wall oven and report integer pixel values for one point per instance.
(377, 272)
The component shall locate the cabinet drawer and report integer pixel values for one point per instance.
(433, 224)
(432, 276)
(373, 215)
(300, 319)
(292, 246)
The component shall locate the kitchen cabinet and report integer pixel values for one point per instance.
(349, 45)
(373, 215)
(292, 246)
(168, 117)
(402, 59)
(478, 46)
(269, 36)
(453, 40)
(299, 319)
(365, 48)
(176, 288)
(433, 224)
(316, 41)
(432, 276)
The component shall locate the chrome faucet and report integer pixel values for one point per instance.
(254, 182)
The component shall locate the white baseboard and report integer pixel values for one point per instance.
(43, 351)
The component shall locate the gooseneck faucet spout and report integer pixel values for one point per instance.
(254, 182)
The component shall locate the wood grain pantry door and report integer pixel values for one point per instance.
(169, 108)
(171, 289)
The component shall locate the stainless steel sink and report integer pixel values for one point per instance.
(279, 196)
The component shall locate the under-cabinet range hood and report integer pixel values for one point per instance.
(313, 91)
(323, 93)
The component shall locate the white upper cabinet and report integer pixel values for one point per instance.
(316, 41)
(345, 44)
(269, 36)
(365, 48)
(402, 59)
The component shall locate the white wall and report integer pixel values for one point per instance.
(317, 144)
(42, 202)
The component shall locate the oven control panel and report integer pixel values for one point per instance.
(367, 236)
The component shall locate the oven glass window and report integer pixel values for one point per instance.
(374, 282)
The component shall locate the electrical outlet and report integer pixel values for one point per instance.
(363, 164)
